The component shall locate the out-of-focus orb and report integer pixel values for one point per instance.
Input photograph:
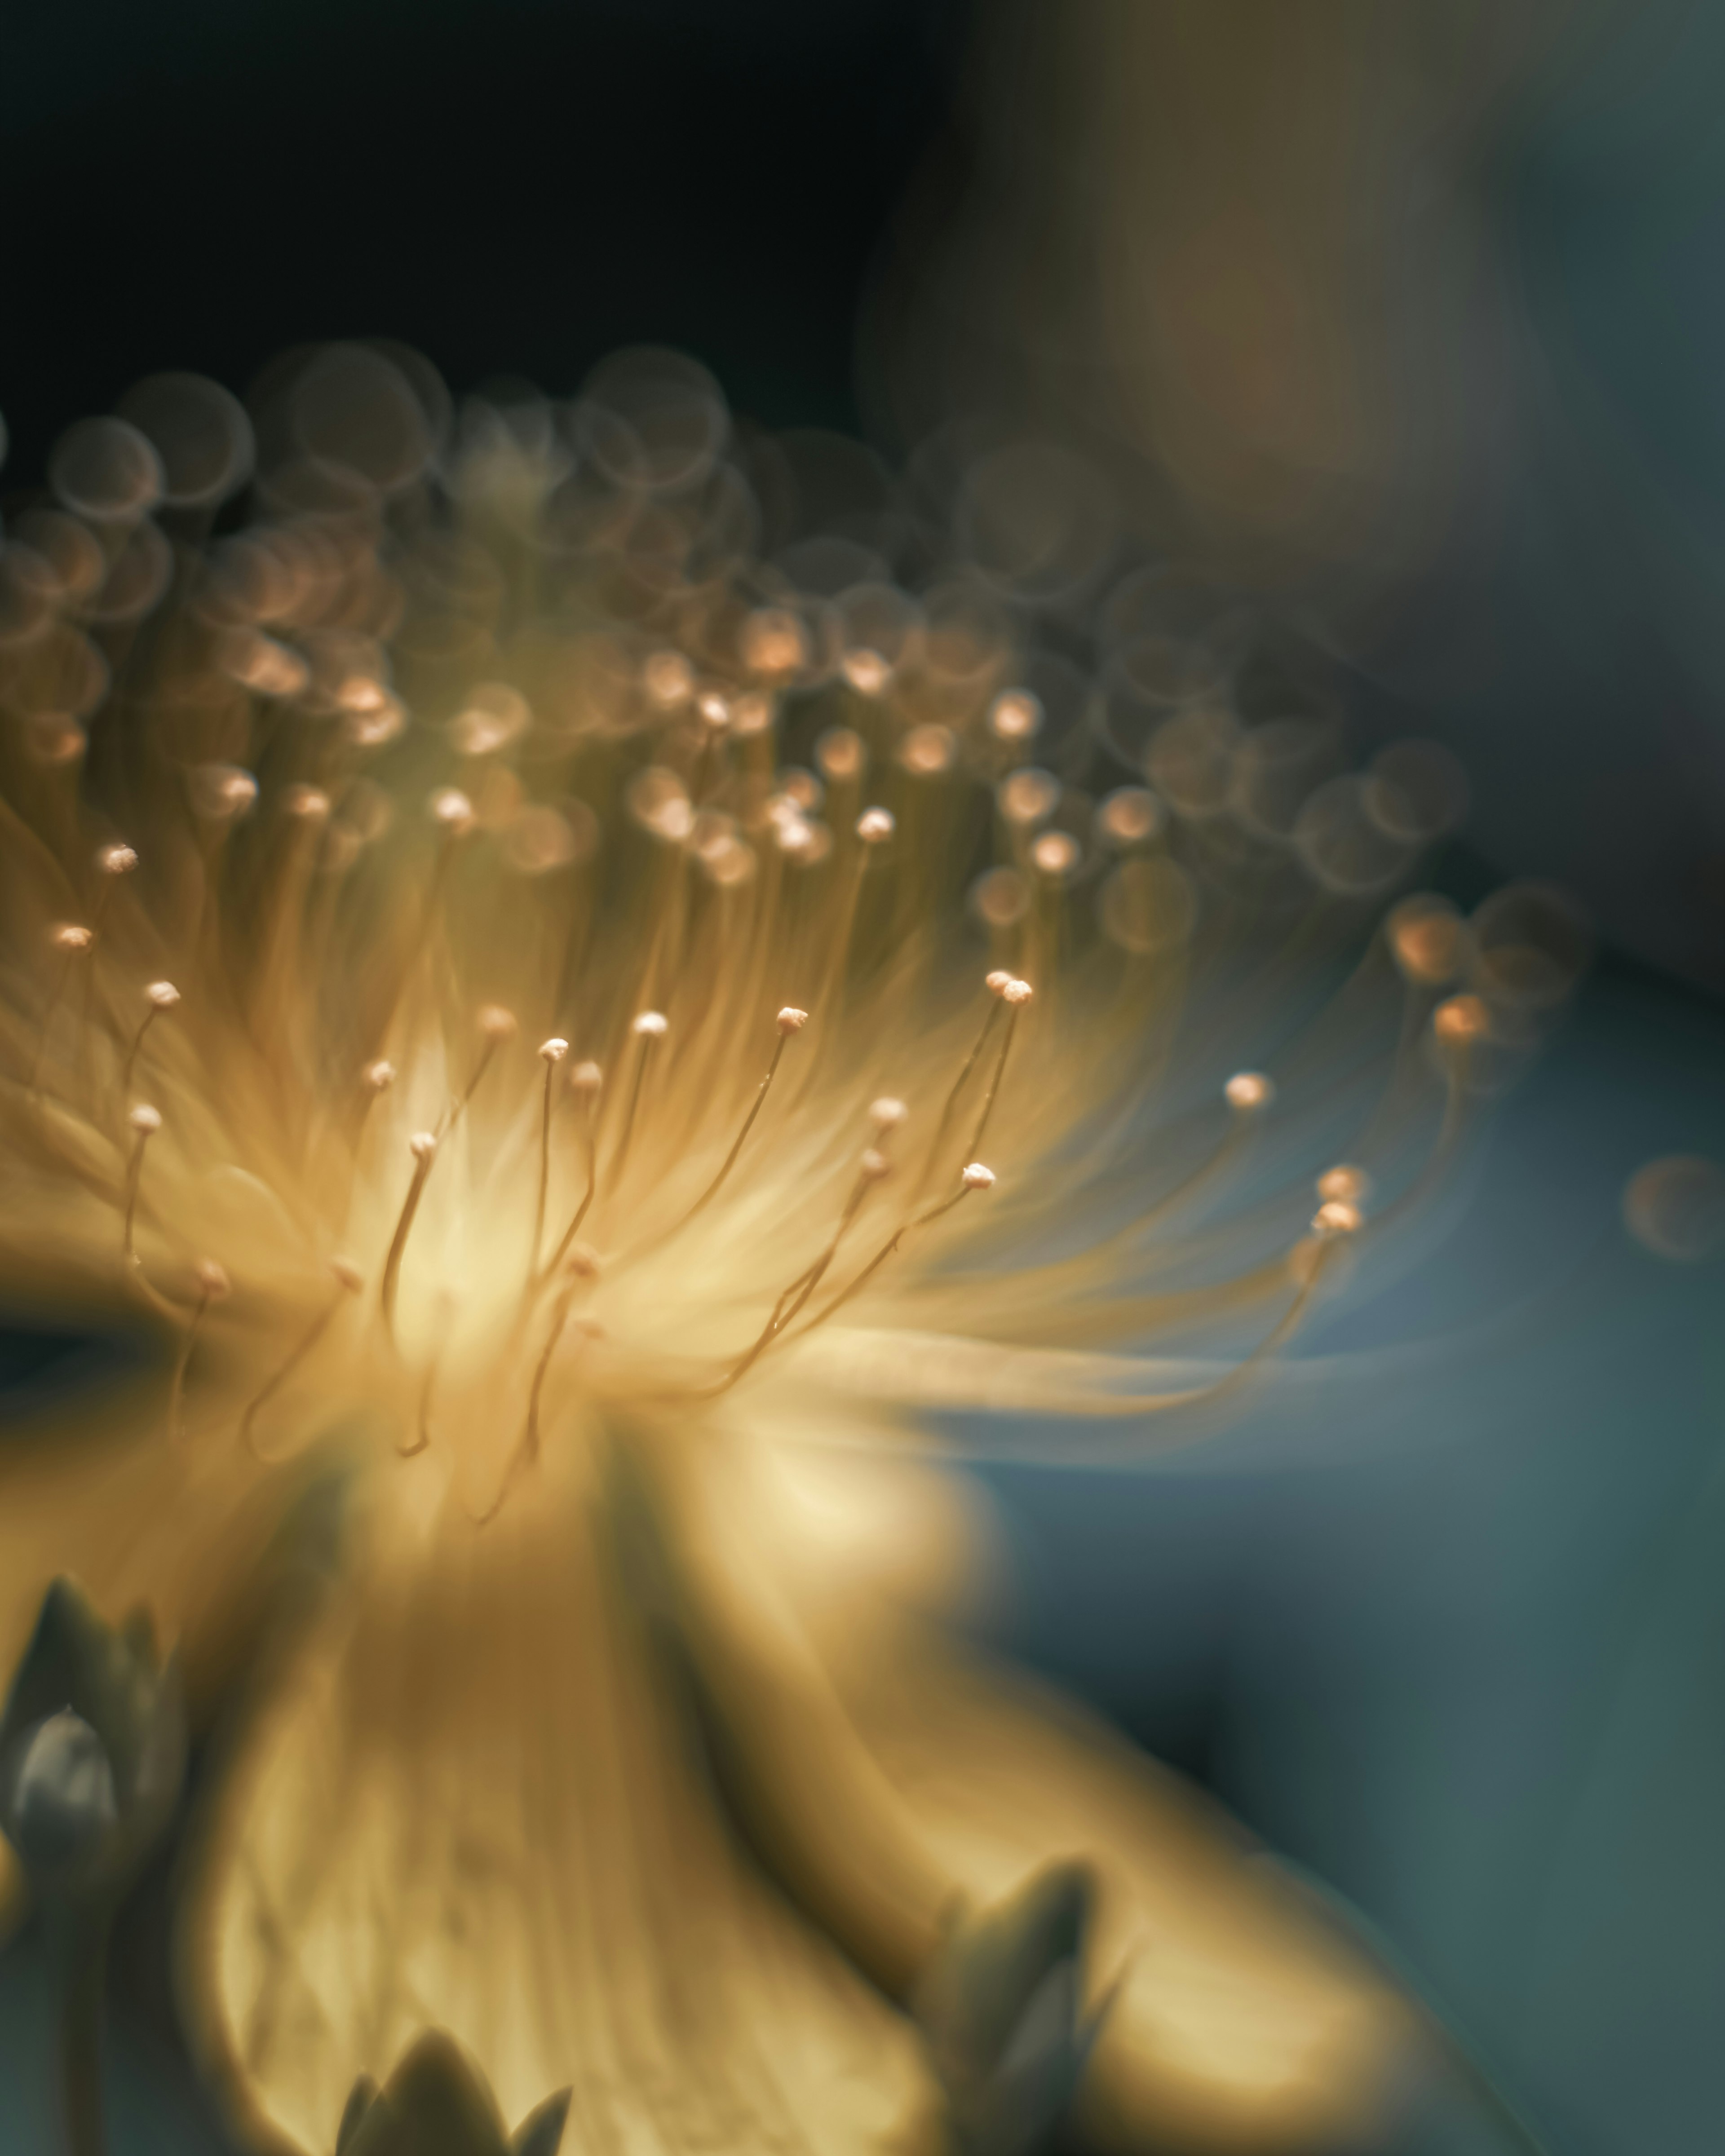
(1676, 1206)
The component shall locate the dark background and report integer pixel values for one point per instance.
(516, 188)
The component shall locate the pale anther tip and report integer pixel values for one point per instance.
(144, 1119)
(116, 860)
(886, 1114)
(380, 1075)
(423, 1144)
(1017, 993)
(998, 982)
(554, 1050)
(875, 826)
(70, 936)
(587, 1077)
(1249, 1089)
(1336, 1218)
(495, 1023)
(1461, 1017)
(791, 1019)
(874, 1166)
(1345, 1184)
(451, 807)
(976, 1177)
(213, 1281)
(650, 1024)
(162, 993)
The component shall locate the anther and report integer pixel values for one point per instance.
(668, 680)
(790, 1020)
(1336, 1218)
(998, 982)
(1015, 716)
(306, 805)
(1344, 1184)
(886, 1114)
(876, 826)
(71, 939)
(1248, 1091)
(116, 860)
(976, 1177)
(1460, 1020)
(554, 1050)
(451, 807)
(586, 1078)
(874, 1166)
(649, 1025)
(866, 671)
(379, 1076)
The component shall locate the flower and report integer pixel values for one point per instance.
(840, 1110)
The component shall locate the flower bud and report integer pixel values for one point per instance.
(437, 2099)
(92, 1750)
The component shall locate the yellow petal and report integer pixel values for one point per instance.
(475, 1806)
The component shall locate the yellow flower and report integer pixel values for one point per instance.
(569, 1032)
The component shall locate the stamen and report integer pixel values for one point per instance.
(975, 1177)
(552, 1053)
(581, 1266)
(1250, 1091)
(349, 1281)
(145, 1121)
(73, 941)
(586, 1079)
(996, 983)
(647, 1027)
(422, 1146)
(872, 1168)
(496, 1025)
(212, 1285)
(160, 996)
(790, 1020)
(1015, 995)
(446, 1306)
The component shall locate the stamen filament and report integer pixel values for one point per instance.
(975, 1178)
(951, 1108)
(588, 1079)
(790, 1021)
(347, 1282)
(422, 1145)
(212, 1284)
(145, 1123)
(1015, 995)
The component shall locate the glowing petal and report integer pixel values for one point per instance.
(476, 1806)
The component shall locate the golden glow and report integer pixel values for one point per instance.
(572, 1121)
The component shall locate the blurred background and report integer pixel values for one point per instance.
(1409, 320)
